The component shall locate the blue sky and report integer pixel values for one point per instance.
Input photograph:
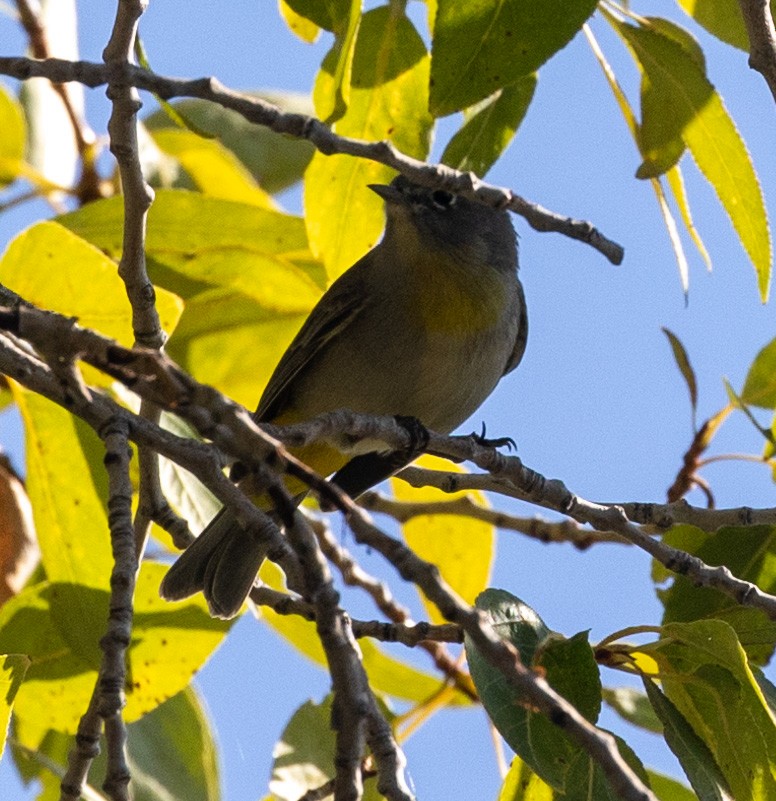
(597, 400)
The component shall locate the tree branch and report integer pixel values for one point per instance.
(302, 126)
(762, 39)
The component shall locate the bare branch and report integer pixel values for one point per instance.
(138, 195)
(762, 39)
(326, 141)
(534, 527)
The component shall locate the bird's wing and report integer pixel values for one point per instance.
(341, 304)
(522, 334)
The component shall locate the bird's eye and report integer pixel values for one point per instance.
(442, 199)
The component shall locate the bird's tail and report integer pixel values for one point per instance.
(222, 563)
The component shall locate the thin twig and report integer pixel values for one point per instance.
(302, 126)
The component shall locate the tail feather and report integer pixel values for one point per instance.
(222, 563)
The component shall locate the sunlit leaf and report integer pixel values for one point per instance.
(215, 170)
(522, 784)
(676, 185)
(12, 136)
(196, 243)
(170, 642)
(722, 18)
(303, 27)
(70, 516)
(462, 548)
(668, 789)
(691, 108)
(486, 134)
(388, 100)
(480, 46)
(705, 674)
(12, 670)
(760, 385)
(331, 94)
(75, 279)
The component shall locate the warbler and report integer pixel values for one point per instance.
(423, 326)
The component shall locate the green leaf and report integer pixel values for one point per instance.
(569, 667)
(12, 136)
(633, 706)
(171, 753)
(690, 108)
(668, 789)
(522, 784)
(705, 674)
(275, 161)
(481, 46)
(215, 171)
(693, 754)
(462, 548)
(486, 134)
(331, 93)
(388, 100)
(760, 385)
(721, 18)
(170, 642)
(682, 359)
(186, 494)
(749, 552)
(304, 755)
(12, 670)
(331, 15)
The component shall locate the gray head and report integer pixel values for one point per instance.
(434, 219)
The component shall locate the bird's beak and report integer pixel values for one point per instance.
(388, 193)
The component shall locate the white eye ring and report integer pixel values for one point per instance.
(442, 199)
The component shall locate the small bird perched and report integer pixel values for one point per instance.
(423, 326)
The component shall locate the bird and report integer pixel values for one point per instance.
(423, 326)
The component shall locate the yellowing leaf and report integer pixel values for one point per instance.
(54, 268)
(233, 342)
(12, 135)
(197, 242)
(70, 515)
(304, 28)
(215, 170)
(12, 670)
(461, 547)
(388, 100)
(691, 108)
